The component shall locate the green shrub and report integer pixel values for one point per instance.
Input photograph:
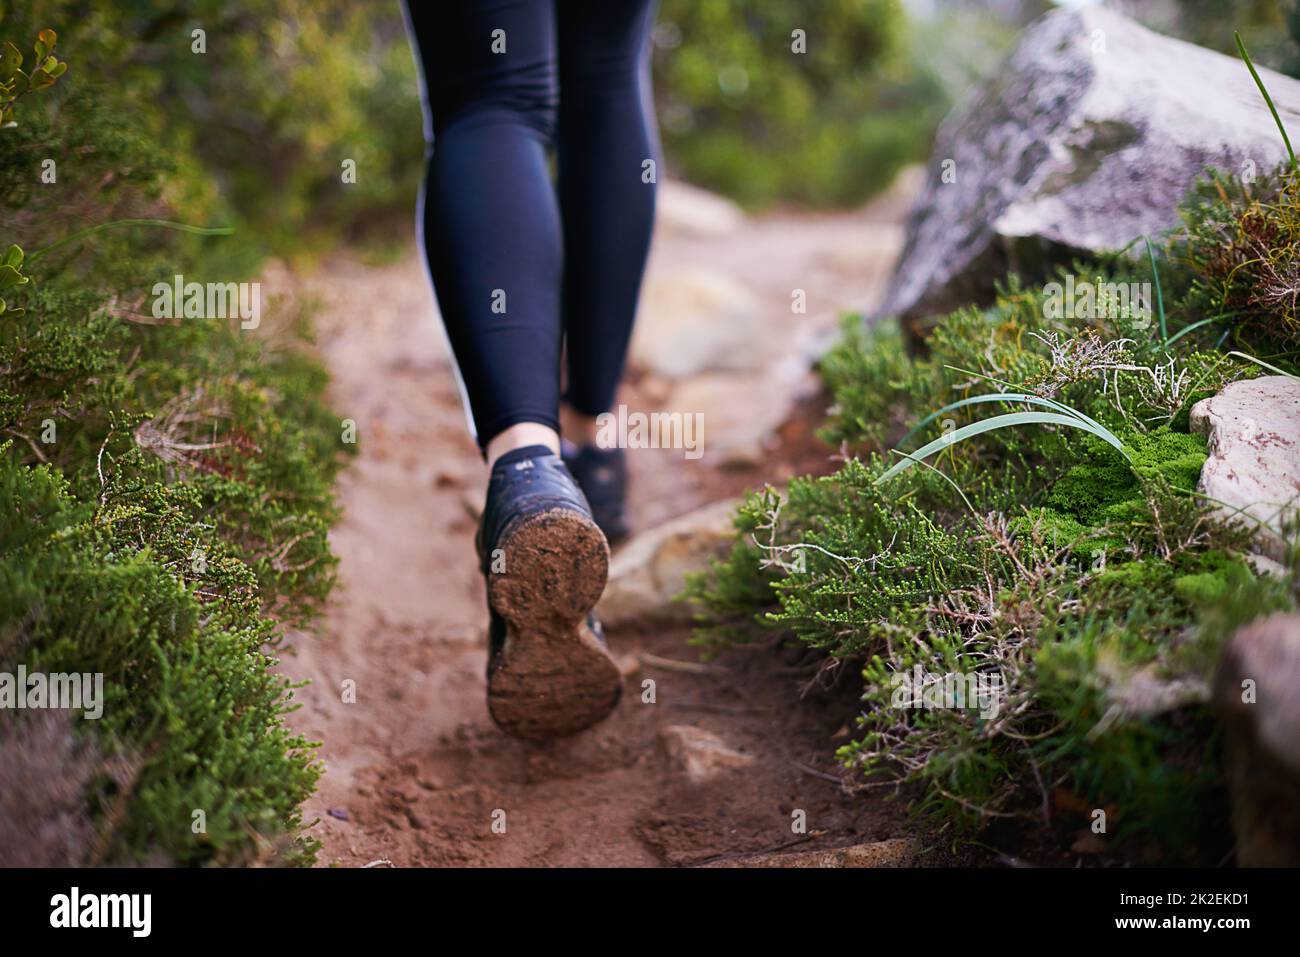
(1241, 245)
(161, 517)
(1092, 582)
(165, 484)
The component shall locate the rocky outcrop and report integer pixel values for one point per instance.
(1089, 136)
(1257, 691)
(1252, 429)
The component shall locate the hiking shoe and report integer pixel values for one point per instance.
(546, 562)
(602, 476)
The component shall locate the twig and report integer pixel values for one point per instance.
(818, 774)
(686, 667)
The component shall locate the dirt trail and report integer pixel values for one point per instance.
(417, 774)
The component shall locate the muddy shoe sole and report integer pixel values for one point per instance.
(552, 677)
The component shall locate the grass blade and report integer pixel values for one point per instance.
(160, 223)
(1026, 397)
(1160, 296)
(1241, 48)
(1261, 362)
(1001, 422)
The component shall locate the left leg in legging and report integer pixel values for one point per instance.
(606, 135)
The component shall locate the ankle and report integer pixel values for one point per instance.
(521, 436)
(579, 428)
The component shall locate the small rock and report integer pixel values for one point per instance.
(742, 412)
(416, 820)
(701, 755)
(1253, 431)
(338, 812)
(1257, 691)
(649, 571)
(1089, 843)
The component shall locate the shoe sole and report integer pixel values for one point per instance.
(552, 676)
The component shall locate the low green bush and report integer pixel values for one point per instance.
(1076, 567)
(166, 484)
(1242, 251)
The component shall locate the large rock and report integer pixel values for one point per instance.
(1253, 432)
(1257, 690)
(1090, 135)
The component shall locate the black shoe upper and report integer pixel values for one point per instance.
(524, 482)
(602, 475)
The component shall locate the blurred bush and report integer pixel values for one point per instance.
(166, 485)
(255, 129)
(1271, 28)
(743, 113)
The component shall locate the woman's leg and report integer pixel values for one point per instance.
(495, 247)
(606, 135)
(490, 224)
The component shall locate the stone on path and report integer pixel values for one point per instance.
(687, 210)
(699, 754)
(694, 320)
(649, 571)
(895, 852)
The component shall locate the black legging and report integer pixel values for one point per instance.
(518, 264)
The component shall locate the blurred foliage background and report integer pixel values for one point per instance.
(254, 131)
(177, 438)
(742, 113)
(813, 103)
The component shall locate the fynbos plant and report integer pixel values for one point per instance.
(41, 73)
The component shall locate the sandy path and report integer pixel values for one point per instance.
(416, 772)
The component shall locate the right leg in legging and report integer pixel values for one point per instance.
(606, 135)
(491, 224)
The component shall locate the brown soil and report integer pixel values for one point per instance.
(417, 774)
